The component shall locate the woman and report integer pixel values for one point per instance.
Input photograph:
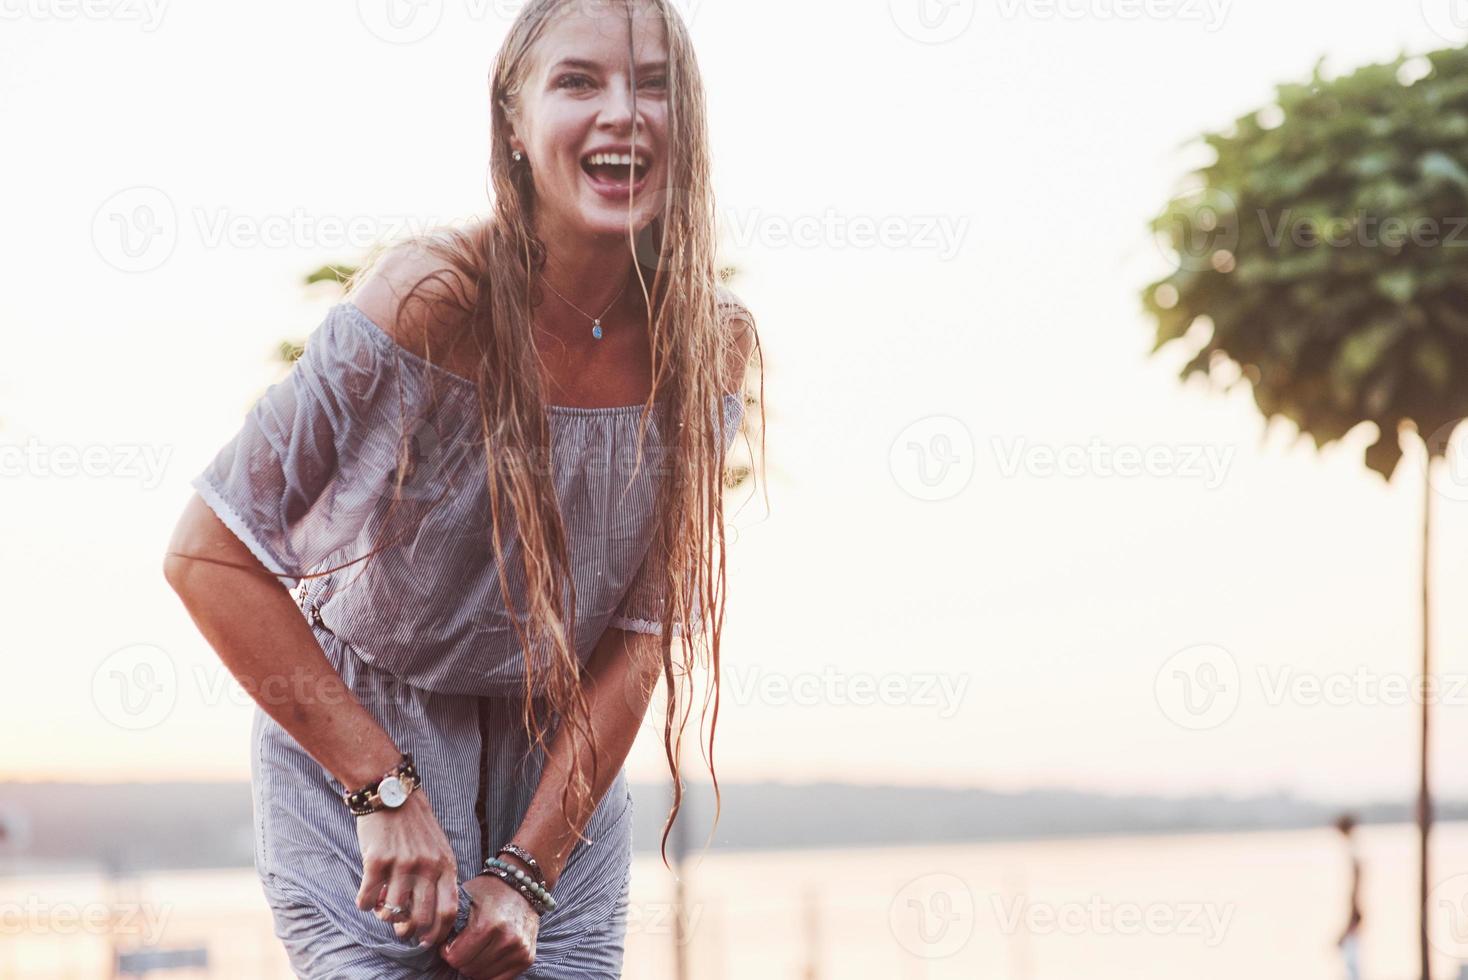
(496, 474)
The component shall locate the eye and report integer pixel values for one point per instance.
(561, 82)
(657, 81)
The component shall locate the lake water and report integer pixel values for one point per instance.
(1256, 905)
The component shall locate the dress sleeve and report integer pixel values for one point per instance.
(731, 306)
(274, 483)
(641, 609)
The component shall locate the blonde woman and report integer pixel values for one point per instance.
(496, 474)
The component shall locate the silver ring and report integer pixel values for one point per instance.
(396, 910)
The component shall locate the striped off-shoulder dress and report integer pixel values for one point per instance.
(420, 631)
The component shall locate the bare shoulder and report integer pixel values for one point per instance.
(428, 323)
(742, 336)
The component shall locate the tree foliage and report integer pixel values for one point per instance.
(1327, 247)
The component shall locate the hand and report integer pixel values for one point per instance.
(498, 942)
(407, 861)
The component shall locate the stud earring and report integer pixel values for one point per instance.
(518, 156)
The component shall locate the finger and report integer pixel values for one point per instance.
(508, 963)
(399, 893)
(421, 919)
(374, 880)
(461, 950)
(498, 956)
(486, 961)
(446, 905)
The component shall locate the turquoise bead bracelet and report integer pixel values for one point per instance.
(517, 878)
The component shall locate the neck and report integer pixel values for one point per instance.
(590, 272)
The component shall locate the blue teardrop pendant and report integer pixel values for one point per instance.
(596, 329)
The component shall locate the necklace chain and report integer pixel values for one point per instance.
(595, 320)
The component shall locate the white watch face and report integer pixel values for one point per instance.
(391, 791)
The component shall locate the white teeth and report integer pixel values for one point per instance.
(616, 159)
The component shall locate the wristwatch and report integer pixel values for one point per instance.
(389, 792)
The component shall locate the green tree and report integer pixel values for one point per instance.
(1324, 252)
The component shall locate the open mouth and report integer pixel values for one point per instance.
(616, 172)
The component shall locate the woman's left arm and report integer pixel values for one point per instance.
(620, 676)
(623, 672)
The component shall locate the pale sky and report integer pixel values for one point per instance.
(1021, 625)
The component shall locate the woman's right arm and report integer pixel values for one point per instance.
(256, 628)
(253, 624)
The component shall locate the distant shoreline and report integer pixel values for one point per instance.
(129, 828)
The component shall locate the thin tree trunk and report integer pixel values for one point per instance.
(1424, 799)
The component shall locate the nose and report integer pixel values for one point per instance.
(616, 109)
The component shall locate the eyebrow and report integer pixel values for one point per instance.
(596, 66)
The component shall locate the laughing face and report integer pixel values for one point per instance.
(576, 127)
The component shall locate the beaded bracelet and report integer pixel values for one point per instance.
(539, 898)
(528, 858)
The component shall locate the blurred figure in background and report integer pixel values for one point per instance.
(1350, 939)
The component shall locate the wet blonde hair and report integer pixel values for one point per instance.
(485, 296)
